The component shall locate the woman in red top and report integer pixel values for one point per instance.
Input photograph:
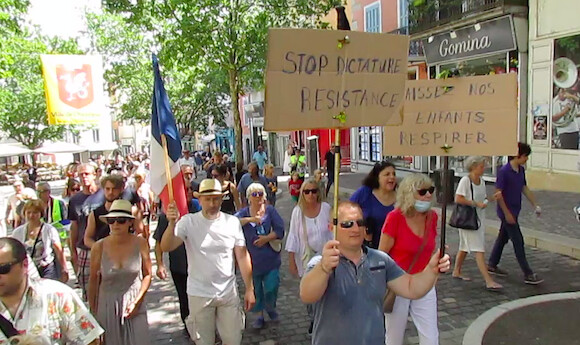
(408, 236)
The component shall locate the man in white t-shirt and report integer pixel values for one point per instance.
(212, 239)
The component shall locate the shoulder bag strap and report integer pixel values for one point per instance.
(473, 198)
(36, 240)
(305, 231)
(471, 186)
(7, 327)
(423, 243)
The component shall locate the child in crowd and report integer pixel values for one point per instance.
(318, 179)
(294, 185)
(272, 183)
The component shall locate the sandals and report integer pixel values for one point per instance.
(494, 288)
(465, 279)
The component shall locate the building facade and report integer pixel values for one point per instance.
(449, 38)
(554, 86)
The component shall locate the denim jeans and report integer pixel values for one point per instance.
(266, 290)
(510, 232)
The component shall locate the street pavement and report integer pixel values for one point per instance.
(459, 302)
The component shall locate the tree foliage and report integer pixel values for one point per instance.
(225, 40)
(23, 115)
(126, 48)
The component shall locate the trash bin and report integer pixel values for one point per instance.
(439, 192)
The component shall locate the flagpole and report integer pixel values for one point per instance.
(336, 173)
(167, 168)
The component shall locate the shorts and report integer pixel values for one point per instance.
(225, 313)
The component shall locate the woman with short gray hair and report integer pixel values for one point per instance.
(471, 192)
(263, 230)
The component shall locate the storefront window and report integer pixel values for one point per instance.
(363, 142)
(375, 143)
(566, 92)
(369, 143)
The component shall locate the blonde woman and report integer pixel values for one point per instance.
(42, 242)
(309, 229)
(408, 236)
(471, 192)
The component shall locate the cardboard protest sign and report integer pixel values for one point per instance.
(473, 115)
(310, 79)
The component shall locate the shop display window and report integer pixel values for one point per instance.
(565, 114)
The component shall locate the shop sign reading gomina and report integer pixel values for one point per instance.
(494, 36)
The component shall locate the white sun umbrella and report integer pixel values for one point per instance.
(13, 149)
(60, 147)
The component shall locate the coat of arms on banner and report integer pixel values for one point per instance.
(75, 85)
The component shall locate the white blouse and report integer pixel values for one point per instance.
(317, 230)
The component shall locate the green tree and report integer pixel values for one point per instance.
(226, 37)
(23, 114)
(126, 49)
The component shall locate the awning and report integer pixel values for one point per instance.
(208, 138)
(60, 147)
(13, 149)
(111, 146)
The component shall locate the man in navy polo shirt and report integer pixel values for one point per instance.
(510, 184)
(347, 283)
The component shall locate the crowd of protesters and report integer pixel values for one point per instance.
(380, 269)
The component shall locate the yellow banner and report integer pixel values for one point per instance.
(74, 88)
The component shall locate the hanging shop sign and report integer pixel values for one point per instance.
(457, 116)
(494, 36)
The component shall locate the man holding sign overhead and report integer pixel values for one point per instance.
(347, 283)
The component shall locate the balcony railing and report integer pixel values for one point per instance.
(432, 13)
(415, 46)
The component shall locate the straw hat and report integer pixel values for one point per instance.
(119, 209)
(209, 187)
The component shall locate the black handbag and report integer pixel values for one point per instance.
(464, 216)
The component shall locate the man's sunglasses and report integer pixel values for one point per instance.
(7, 267)
(308, 191)
(257, 194)
(120, 220)
(347, 224)
(425, 190)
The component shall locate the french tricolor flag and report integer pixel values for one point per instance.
(163, 123)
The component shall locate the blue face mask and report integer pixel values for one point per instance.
(422, 206)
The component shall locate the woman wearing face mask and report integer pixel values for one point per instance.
(376, 198)
(408, 236)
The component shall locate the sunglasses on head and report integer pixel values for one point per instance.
(308, 191)
(347, 224)
(424, 191)
(7, 267)
(257, 194)
(119, 220)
